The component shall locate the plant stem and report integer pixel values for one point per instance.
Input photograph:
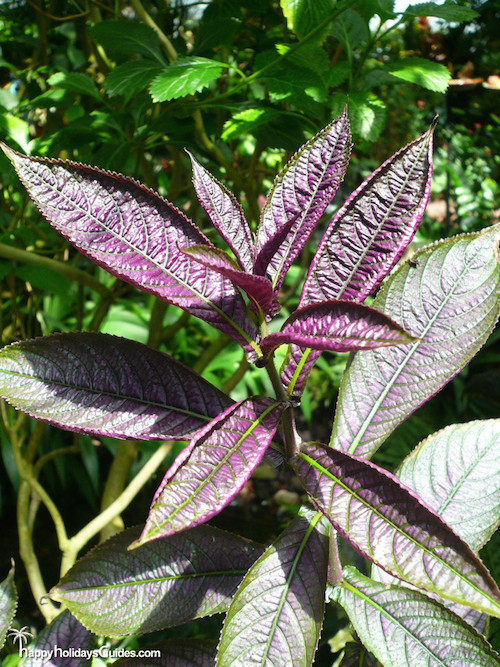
(125, 456)
(289, 432)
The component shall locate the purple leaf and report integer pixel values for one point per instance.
(370, 232)
(105, 385)
(135, 235)
(212, 470)
(401, 626)
(186, 652)
(390, 526)
(258, 288)
(277, 613)
(338, 326)
(8, 604)
(63, 634)
(117, 592)
(450, 298)
(225, 214)
(301, 192)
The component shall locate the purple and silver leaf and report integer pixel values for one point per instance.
(182, 652)
(388, 524)
(401, 626)
(301, 192)
(370, 232)
(68, 635)
(258, 288)
(106, 385)
(338, 326)
(448, 296)
(117, 592)
(225, 213)
(8, 604)
(277, 612)
(135, 235)
(213, 468)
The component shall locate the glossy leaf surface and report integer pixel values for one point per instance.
(401, 626)
(66, 633)
(389, 526)
(277, 613)
(450, 298)
(8, 604)
(301, 191)
(225, 213)
(214, 467)
(339, 326)
(135, 235)
(177, 653)
(106, 385)
(370, 232)
(116, 592)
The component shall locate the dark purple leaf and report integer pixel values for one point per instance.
(391, 527)
(106, 385)
(62, 643)
(277, 613)
(215, 466)
(8, 604)
(186, 652)
(115, 592)
(450, 298)
(301, 192)
(225, 214)
(134, 234)
(370, 232)
(258, 289)
(338, 326)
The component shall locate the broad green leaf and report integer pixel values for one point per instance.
(243, 122)
(116, 592)
(425, 73)
(303, 16)
(367, 114)
(185, 76)
(449, 11)
(276, 615)
(75, 82)
(350, 29)
(401, 626)
(8, 604)
(449, 297)
(127, 38)
(391, 527)
(131, 78)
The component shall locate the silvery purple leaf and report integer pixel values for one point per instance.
(106, 385)
(401, 626)
(389, 525)
(62, 643)
(225, 213)
(277, 612)
(338, 326)
(213, 468)
(301, 191)
(182, 652)
(258, 288)
(135, 235)
(370, 232)
(116, 592)
(8, 604)
(449, 296)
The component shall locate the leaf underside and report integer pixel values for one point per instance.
(8, 604)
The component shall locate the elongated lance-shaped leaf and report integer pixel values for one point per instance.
(258, 288)
(449, 296)
(183, 652)
(225, 213)
(106, 385)
(8, 604)
(114, 591)
(339, 326)
(401, 626)
(134, 234)
(65, 633)
(389, 525)
(277, 613)
(213, 469)
(302, 190)
(370, 232)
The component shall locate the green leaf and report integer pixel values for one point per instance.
(184, 77)
(425, 73)
(127, 38)
(350, 29)
(245, 121)
(131, 78)
(449, 11)
(302, 16)
(75, 82)
(367, 113)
